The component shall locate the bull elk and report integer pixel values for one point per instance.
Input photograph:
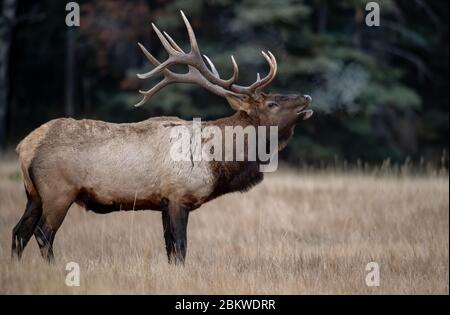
(107, 167)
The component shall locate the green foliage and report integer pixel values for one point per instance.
(369, 84)
(265, 12)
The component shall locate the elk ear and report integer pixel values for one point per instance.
(239, 102)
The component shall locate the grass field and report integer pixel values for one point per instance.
(296, 233)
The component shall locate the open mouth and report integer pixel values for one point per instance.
(305, 114)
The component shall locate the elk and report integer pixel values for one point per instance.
(107, 167)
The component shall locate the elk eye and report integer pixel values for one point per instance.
(272, 104)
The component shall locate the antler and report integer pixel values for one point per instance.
(198, 73)
(256, 87)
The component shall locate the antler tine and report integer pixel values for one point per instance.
(148, 94)
(234, 77)
(270, 76)
(191, 33)
(212, 66)
(149, 56)
(142, 102)
(159, 66)
(196, 51)
(260, 83)
(167, 80)
(158, 69)
(166, 44)
(173, 43)
(198, 61)
(176, 54)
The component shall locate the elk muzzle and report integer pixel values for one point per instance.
(303, 113)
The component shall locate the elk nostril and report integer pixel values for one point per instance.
(308, 98)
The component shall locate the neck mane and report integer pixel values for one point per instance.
(239, 118)
(235, 176)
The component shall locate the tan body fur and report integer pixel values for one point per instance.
(115, 164)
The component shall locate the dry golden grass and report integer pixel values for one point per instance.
(296, 233)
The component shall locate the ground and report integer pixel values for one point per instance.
(299, 232)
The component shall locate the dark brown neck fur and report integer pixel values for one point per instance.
(235, 176)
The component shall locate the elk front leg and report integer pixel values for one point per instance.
(175, 219)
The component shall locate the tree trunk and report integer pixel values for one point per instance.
(70, 73)
(358, 21)
(6, 30)
(322, 20)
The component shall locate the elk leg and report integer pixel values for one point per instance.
(175, 219)
(167, 235)
(23, 230)
(48, 225)
(45, 236)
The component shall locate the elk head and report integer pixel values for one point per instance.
(284, 111)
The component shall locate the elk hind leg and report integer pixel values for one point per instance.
(23, 230)
(52, 217)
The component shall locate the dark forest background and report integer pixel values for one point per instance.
(380, 93)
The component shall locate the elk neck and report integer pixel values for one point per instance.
(239, 118)
(235, 176)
